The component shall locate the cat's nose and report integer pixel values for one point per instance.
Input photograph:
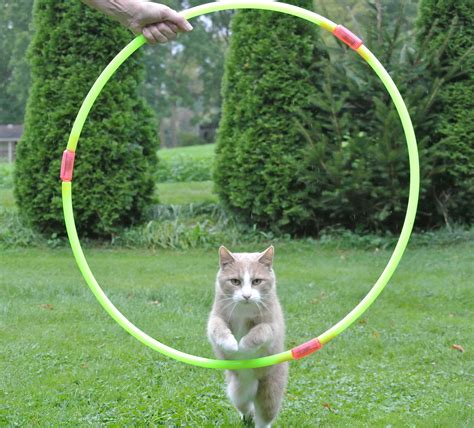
(246, 296)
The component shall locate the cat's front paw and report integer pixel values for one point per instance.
(250, 349)
(229, 345)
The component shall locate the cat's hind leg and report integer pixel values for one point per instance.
(241, 389)
(270, 395)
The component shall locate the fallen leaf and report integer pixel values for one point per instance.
(328, 406)
(47, 306)
(458, 348)
(155, 302)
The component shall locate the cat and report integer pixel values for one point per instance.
(246, 321)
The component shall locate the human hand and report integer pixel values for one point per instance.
(157, 22)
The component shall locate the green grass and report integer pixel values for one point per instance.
(168, 193)
(64, 362)
(201, 151)
(6, 198)
(184, 164)
(186, 193)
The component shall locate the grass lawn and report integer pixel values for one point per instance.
(200, 151)
(168, 193)
(7, 200)
(64, 362)
(6, 185)
(186, 192)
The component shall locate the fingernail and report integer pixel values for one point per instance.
(188, 26)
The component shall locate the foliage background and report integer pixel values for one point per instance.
(116, 164)
(350, 157)
(269, 78)
(349, 147)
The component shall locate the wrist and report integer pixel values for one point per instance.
(125, 11)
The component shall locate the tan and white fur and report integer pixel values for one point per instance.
(246, 321)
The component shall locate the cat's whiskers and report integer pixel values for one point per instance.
(232, 311)
(266, 294)
(264, 305)
(225, 299)
(258, 306)
(228, 305)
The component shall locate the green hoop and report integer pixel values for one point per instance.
(307, 348)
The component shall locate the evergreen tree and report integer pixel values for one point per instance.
(356, 162)
(446, 34)
(270, 76)
(116, 159)
(356, 168)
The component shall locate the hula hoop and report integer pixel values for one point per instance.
(313, 345)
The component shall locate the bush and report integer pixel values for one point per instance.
(357, 163)
(269, 76)
(446, 33)
(190, 139)
(114, 174)
(343, 161)
(14, 233)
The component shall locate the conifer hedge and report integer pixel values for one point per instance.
(447, 31)
(116, 159)
(268, 79)
(310, 141)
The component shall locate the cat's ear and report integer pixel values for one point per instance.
(266, 258)
(225, 256)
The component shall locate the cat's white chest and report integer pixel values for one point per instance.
(242, 320)
(240, 327)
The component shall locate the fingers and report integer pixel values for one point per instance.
(175, 18)
(168, 29)
(160, 33)
(173, 27)
(158, 23)
(149, 36)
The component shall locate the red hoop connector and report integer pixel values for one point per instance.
(67, 165)
(306, 348)
(348, 37)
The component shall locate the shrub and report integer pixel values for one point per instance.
(357, 163)
(14, 233)
(347, 162)
(446, 33)
(269, 76)
(114, 174)
(190, 139)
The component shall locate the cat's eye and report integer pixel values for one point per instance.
(235, 281)
(256, 281)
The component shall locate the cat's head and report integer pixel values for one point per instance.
(247, 278)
